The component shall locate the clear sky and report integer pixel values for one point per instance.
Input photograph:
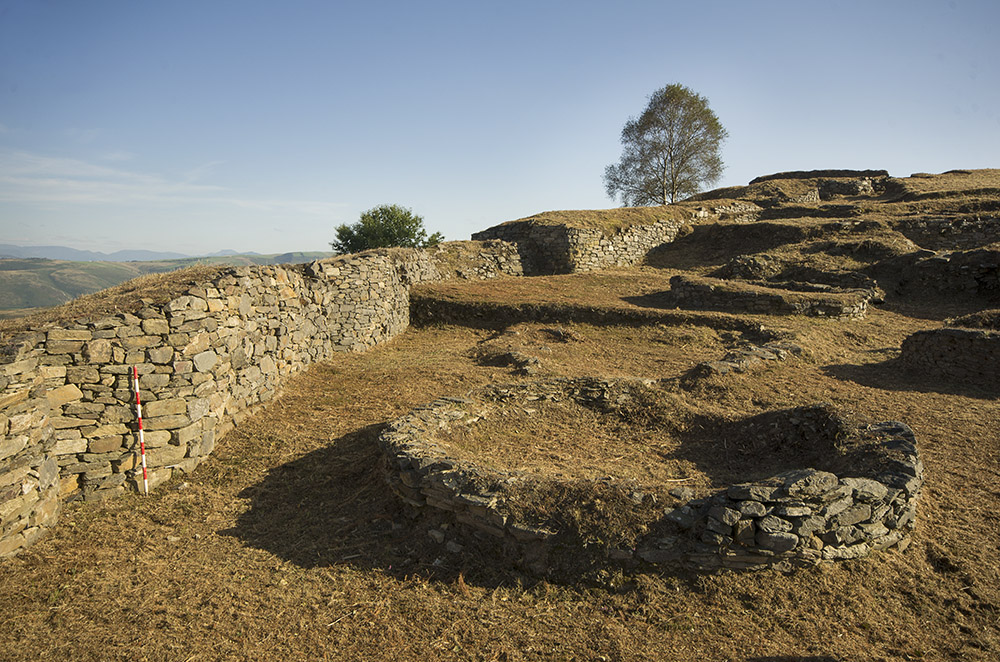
(196, 126)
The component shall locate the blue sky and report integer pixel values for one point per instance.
(261, 126)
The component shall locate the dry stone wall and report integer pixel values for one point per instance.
(972, 273)
(475, 260)
(711, 294)
(556, 249)
(963, 355)
(805, 516)
(205, 360)
(964, 232)
(799, 517)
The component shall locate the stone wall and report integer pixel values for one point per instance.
(961, 355)
(961, 233)
(29, 478)
(739, 211)
(805, 516)
(712, 294)
(815, 174)
(205, 360)
(972, 273)
(556, 249)
(475, 260)
(798, 517)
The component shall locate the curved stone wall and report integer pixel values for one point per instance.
(970, 355)
(205, 360)
(799, 517)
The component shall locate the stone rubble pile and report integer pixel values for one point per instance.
(746, 358)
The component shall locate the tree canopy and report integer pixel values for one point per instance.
(382, 227)
(669, 151)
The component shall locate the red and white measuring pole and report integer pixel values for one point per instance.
(142, 442)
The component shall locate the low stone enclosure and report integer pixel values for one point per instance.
(861, 499)
(965, 232)
(956, 354)
(970, 273)
(712, 294)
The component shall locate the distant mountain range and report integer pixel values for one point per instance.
(76, 255)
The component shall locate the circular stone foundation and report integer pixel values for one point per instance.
(589, 467)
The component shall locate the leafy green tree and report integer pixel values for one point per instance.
(669, 151)
(384, 226)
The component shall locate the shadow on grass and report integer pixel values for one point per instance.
(757, 447)
(891, 375)
(322, 507)
(332, 507)
(659, 300)
(930, 307)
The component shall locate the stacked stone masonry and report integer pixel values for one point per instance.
(795, 518)
(205, 360)
(961, 355)
(963, 232)
(959, 273)
(557, 249)
(701, 293)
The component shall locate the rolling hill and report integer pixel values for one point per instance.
(28, 284)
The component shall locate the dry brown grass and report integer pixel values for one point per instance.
(983, 319)
(286, 544)
(568, 441)
(611, 220)
(607, 288)
(953, 182)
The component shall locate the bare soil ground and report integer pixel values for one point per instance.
(286, 544)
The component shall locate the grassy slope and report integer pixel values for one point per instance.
(39, 283)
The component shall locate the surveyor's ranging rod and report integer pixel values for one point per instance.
(142, 442)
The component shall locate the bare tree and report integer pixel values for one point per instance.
(669, 151)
